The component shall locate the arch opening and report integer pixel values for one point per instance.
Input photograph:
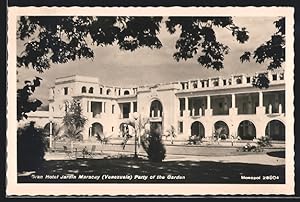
(91, 90)
(275, 130)
(247, 130)
(197, 129)
(97, 130)
(83, 89)
(156, 109)
(221, 130)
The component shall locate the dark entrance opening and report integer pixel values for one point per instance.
(197, 129)
(247, 130)
(275, 130)
(221, 130)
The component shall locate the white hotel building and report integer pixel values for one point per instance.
(193, 107)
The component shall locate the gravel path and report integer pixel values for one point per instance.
(262, 159)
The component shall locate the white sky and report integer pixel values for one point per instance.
(144, 66)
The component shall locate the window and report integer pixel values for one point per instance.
(108, 92)
(195, 85)
(91, 90)
(66, 91)
(274, 77)
(112, 129)
(180, 127)
(101, 91)
(126, 92)
(248, 79)
(181, 105)
(135, 107)
(83, 89)
(238, 81)
(216, 83)
(224, 82)
(281, 77)
(126, 110)
(113, 109)
(183, 86)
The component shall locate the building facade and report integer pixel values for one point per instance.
(197, 107)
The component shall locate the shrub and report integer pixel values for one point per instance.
(264, 141)
(156, 150)
(31, 147)
(195, 139)
(248, 148)
(223, 136)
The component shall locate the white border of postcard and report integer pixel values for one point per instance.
(32, 189)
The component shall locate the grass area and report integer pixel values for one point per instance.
(181, 171)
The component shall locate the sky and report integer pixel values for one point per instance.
(149, 66)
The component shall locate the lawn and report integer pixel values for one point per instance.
(119, 168)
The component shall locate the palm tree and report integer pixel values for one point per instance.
(140, 126)
(56, 132)
(171, 133)
(74, 122)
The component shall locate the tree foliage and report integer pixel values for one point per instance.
(272, 51)
(62, 39)
(25, 103)
(198, 37)
(31, 147)
(155, 147)
(131, 127)
(171, 132)
(74, 121)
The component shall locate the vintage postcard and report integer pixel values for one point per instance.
(150, 101)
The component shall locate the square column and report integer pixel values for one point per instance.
(260, 109)
(131, 107)
(233, 110)
(208, 111)
(186, 104)
(103, 107)
(88, 106)
(186, 112)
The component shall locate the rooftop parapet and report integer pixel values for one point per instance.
(232, 81)
(76, 78)
(238, 80)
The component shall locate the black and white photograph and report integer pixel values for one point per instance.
(150, 101)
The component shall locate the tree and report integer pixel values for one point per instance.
(139, 126)
(74, 121)
(272, 51)
(56, 132)
(156, 149)
(61, 39)
(25, 103)
(31, 147)
(171, 132)
(198, 36)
